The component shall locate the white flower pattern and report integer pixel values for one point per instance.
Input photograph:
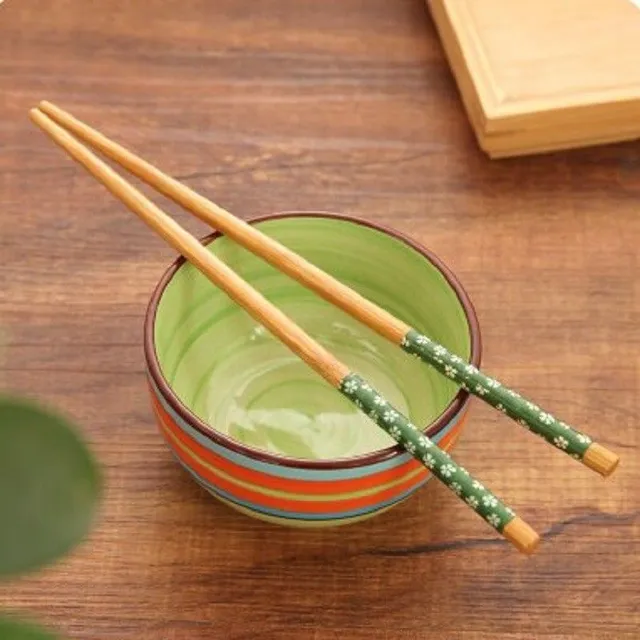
(389, 416)
(429, 460)
(490, 501)
(494, 519)
(477, 485)
(560, 442)
(447, 470)
(456, 487)
(545, 418)
(472, 501)
(450, 371)
(351, 386)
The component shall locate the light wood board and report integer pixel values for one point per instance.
(547, 75)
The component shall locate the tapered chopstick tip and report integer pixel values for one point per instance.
(46, 106)
(37, 116)
(600, 459)
(521, 535)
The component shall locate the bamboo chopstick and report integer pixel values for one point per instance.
(573, 442)
(456, 478)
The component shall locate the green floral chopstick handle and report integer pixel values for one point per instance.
(526, 413)
(455, 477)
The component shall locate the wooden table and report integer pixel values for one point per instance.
(343, 105)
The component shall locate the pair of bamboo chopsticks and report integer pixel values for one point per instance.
(335, 372)
(540, 422)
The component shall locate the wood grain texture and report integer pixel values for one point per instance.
(345, 106)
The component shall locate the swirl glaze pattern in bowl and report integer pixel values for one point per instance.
(259, 429)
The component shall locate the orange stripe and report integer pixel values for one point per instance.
(290, 485)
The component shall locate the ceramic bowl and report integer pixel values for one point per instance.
(256, 427)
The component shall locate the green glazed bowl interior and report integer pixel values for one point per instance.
(238, 380)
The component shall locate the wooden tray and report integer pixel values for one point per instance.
(546, 75)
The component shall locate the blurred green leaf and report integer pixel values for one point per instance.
(14, 629)
(50, 486)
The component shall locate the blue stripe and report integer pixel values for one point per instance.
(292, 515)
(291, 472)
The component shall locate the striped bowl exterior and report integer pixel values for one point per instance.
(290, 495)
(300, 493)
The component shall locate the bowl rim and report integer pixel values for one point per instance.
(455, 407)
